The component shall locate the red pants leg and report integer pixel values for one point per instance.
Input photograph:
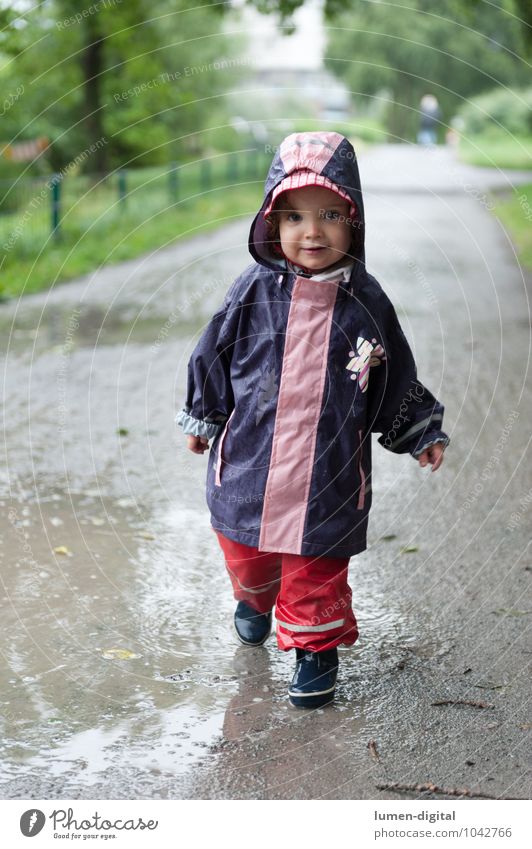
(255, 575)
(313, 608)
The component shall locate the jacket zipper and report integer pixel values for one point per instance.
(362, 489)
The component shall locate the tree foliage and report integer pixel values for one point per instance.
(148, 78)
(410, 51)
(520, 10)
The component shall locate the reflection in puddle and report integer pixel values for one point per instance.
(63, 330)
(173, 741)
(84, 690)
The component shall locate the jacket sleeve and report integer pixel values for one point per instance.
(209, 398)
(400, 408)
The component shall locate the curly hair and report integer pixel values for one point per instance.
(273, 237)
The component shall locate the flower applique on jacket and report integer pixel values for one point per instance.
(367, 355)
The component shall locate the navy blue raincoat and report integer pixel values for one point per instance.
(290, 378)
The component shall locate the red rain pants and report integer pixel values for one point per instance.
(311, 595)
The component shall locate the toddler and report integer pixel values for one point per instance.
(302, 362)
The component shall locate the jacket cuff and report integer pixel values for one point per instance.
(197, 427)
(430, 439)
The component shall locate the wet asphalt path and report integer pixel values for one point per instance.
(120, 675)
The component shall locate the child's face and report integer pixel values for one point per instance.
(313, 229)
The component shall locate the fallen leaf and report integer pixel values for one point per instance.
(62, 549)
(372, 746)
(388, 537)
(119, 654)
(122, 431)
(509, 611)
(145, 535)
(408, 548)
(96, 520)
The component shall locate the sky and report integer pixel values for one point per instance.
(270, 49)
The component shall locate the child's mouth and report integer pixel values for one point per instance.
(313, 250)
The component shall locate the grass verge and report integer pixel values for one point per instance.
(497, 150)
(515, 213)
(124, 235)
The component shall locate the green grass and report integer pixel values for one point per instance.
(516, 215)
(497, 150)
(121, 235)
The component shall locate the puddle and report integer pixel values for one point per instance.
(63, 329)
(170, 744)
(122, 670)
(69, 712)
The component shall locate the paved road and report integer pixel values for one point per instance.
(121, 676)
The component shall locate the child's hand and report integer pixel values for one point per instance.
(197, 444)
(433, 455)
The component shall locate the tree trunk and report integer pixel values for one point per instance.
(402, 119)
(93, 65)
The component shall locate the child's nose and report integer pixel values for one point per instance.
(314, 227)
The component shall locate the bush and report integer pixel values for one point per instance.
(511, 108)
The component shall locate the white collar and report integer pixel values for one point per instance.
(344, 273)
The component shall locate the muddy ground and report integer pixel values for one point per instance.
(121, 677)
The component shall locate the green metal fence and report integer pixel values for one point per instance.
(34, 212)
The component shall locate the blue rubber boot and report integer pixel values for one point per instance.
(314, 680)
(252, 628)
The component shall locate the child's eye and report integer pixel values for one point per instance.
(330, 214)
(293, 216)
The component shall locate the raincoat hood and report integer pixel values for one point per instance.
(330, 155)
